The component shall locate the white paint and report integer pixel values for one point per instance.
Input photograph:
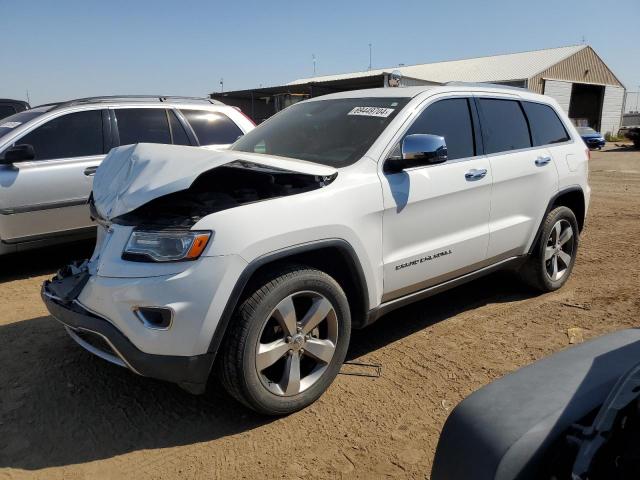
(133, 175)
(559, 91)
(388, 219)
(611, 109)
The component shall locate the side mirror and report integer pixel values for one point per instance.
(419, 150)
(18, 153)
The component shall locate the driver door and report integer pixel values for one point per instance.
(48, 195)
(436, 217)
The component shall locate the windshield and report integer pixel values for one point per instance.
(331, 132)
(586, 131)
(9, 123)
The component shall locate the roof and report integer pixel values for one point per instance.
(496, 68)
(410, 92)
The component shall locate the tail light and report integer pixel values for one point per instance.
(588, 152)
(245, 116)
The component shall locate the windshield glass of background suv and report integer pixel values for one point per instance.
(331, 132)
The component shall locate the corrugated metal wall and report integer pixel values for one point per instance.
(584, 66)
(560, 91)
(612, 109)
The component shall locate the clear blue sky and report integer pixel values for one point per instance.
(70, 48)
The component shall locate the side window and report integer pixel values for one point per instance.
(142, 125)
(450, 119)
(546, 127)
(178, 135)
(73, 135)
(504, 125)
(212, 128)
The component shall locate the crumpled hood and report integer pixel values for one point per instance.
(133, 175)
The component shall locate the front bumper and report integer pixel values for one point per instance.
(102, 338)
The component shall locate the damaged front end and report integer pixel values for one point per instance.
(147, 199)
(175, 186)
(228, 186)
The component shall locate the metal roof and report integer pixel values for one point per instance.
(496, 68)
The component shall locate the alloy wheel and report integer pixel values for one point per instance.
(297, 342)
(559, 250)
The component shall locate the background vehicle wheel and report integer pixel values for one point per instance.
(287, 341)
(554, 255)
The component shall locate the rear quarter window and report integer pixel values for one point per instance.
(546, 127)
(212, 128)
(142, 125)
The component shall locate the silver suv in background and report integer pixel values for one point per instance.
(49, 155)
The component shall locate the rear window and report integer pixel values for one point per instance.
(504, 125)
(212, 128)
(546, 127)
(143, 125)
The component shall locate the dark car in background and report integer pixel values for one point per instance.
(9, 107)
(591, 138)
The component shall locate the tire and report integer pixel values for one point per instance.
(539, 271)
(267, 343)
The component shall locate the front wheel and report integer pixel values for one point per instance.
(287, 342)
(549, 266)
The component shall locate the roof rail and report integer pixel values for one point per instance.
(140, 98)
(484, 84)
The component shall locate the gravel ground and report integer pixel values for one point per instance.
(66, 414)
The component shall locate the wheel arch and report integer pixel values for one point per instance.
(572, 198)
(335, 257)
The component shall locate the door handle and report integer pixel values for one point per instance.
(542, 161)
(90, 171)
(475, 174)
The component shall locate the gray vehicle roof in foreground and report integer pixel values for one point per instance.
(505, 429)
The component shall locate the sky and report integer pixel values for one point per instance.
(65, 49)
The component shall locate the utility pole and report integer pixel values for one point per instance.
(28, 99)
(369, 56)
(637, 97)
(222, 85)
(313, 56)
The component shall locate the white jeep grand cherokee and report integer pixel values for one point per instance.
(335, 211)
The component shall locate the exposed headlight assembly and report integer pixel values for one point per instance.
(165, 246)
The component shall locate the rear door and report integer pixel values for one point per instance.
(48, 195)
(436, 217)
(525, 176)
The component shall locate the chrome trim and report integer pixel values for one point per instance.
(475, 174)
(116, 360)
(43, 206)
(136, 311)
(542, 161)
(115, 350)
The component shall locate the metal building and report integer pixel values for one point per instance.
(575, 76)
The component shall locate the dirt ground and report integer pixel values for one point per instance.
(66, 414)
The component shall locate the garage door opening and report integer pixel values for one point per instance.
(585, 107)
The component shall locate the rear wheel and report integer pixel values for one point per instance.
(554, 255)
(287, 342)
